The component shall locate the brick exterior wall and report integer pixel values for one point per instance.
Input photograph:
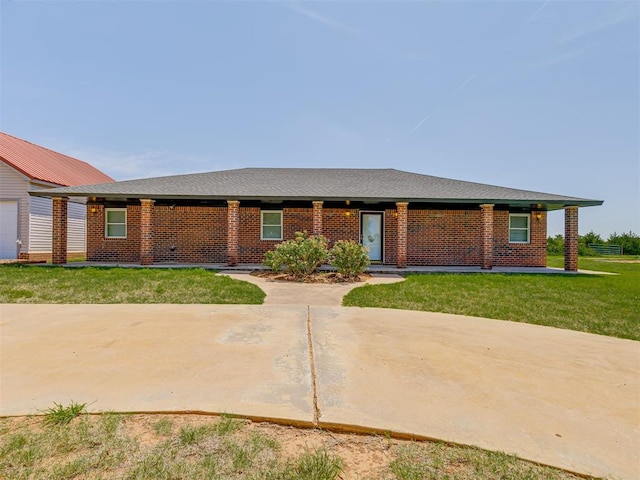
(59, 231)
(390, 236)
(402, 235)
(454, 237)
(233, 231)
(444, 237)
(487, 236)
(251, 248)
(101, 249)
(199, 233)
(189, 234)
(532, 254)
(571, 239)
(337, 225)
(146, 231)
(317, 218)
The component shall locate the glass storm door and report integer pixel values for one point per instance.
(371, 232)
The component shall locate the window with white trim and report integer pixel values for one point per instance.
(115, 222)
(519, 228)
(271, 225)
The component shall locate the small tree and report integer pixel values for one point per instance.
(301, 256)
(583, 244)
(555, 245)
(630, 242)
(350, 258)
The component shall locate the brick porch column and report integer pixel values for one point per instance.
(401, 257)
(487, 236)
(233, 226)
(571, 239)
(317, 217)
(59, 231)
(146, 231)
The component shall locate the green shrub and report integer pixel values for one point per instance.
(350, 258)
(273, 260)
(555, 245)
(301, 256)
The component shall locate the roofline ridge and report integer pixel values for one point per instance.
(53, 152)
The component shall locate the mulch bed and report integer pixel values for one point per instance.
(319, 277)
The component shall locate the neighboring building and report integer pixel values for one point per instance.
(25, 221)
(235, 216)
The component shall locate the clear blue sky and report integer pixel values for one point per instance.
(539, 95)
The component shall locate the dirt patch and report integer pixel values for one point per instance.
(363, 456)
(319, 277)
(118, 445)
(616, 260)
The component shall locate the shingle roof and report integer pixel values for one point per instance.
(319, 184)
(39, 163)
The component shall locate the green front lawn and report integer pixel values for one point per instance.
(40, 284)
(602, 304)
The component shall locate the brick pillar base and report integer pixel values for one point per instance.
(146, 231)
(59, 230)
(233, 226)
(571, 239)
(317, 218)
(487, 236)
(401, 256)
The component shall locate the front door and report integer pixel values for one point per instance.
(371, 234)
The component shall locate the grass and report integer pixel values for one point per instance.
(436, 461)
(61, 415)
(128, 447)
(601, 304)
(42, 284)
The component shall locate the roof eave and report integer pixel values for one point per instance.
(554, 204)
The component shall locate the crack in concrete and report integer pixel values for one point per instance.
(316, 410)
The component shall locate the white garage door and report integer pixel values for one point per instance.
(8, 228)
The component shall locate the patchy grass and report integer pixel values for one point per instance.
(602, 304)
(42, 284)
(436, 461)
(61, 415)
(146, 447)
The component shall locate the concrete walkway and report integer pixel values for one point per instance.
(553, 396)
(292, 293)
(374, 268)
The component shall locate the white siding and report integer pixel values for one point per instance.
(76, 227)
(14, 186)
(34, 225)
(40, 228)
(40, 225)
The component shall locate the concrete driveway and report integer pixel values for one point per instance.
(557, 397)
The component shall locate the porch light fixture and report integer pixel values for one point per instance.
(538, 215)
(93, 209)
(347, 202)
(348, 213)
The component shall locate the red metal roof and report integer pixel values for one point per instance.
(39, 163)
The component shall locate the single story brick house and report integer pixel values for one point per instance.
(235, 216)
(25, 221)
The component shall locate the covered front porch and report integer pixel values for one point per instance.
(145, 244)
